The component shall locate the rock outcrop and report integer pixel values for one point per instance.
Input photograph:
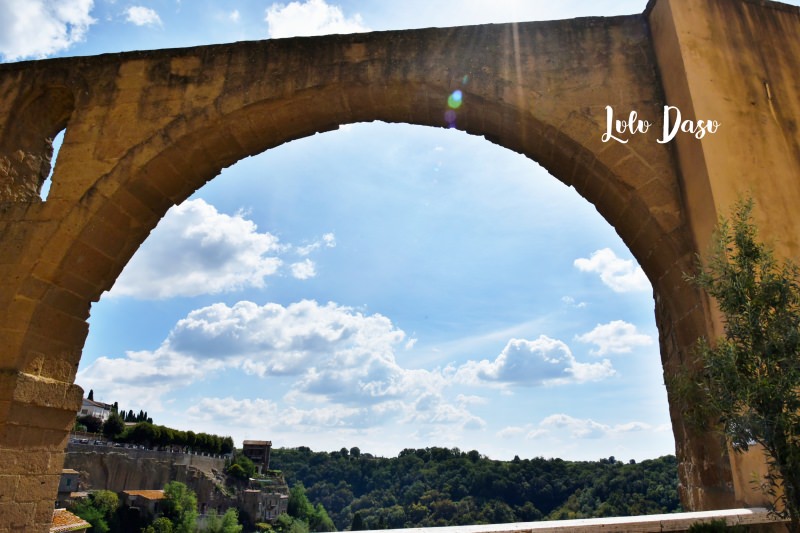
(119, 469)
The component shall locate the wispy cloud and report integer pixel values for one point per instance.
(569, 427)
(39, 28)
(621, 275)
(311, 17)
(328, 241)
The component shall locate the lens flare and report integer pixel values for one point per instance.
(450, 118)
(454, 100)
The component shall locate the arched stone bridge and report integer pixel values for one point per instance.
(144, 130)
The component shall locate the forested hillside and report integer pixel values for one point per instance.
(440, 486)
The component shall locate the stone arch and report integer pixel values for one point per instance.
(633, 187)
(146, 129)
(34, 122)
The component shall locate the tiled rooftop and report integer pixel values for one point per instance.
(63, 520)
(147, 494)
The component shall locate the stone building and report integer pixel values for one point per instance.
(96, 409)
(67, 486)
(148, 502)
(258, 451)
(263, 506)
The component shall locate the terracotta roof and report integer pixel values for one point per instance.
(63, 520)
(147, 494)
(102, 405)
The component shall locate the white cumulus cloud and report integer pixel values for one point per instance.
(143, 377)
(543, 361)
(142, 16)
(339, 363)
(621, 275)
(304, 269)
(311, 17)
(39, 28)
(617, 336)
(197, 250)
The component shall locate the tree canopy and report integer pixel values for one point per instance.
(440, 486)
(750, 379)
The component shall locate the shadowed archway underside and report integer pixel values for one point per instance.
(147, 129)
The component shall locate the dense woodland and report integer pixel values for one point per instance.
(440, 486)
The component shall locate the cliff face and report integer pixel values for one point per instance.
(119, 469)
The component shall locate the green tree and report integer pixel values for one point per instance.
(86, 510)
(319, 520)
(227, 445)
(105, 500)
(241, 467)
(161, 524)
(298, 505)
(113, 426)
(358, 523)
(180, 506)
(225, 523)
(750, 379)
(286, 524)
(91, 395)
(92, 423)
(98, 509)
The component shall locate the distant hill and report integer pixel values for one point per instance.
(441, 486)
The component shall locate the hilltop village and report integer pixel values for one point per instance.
(128, 455)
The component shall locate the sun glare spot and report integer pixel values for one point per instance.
(454, 100)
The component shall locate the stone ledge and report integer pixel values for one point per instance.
(626, 524)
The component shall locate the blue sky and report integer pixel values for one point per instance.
(381, 286)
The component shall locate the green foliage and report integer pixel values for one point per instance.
(151, 435)
(106, 500)
(241, 467)
(226, 523)
(440, 486)
(320, 521)
(180, 506)
(92, 423)
(160, 525)
(98, 509)
(91, 514)
(300, 508)
(286, 524)
(113, 426)
(750, 379)
(358, 523)
(237, 471)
